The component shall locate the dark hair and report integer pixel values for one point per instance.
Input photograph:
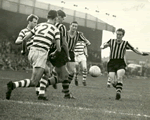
(61, 13)
(74, 22)
(52, 14)
(121, 30)
(31, 17)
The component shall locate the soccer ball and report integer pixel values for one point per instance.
(95, 71)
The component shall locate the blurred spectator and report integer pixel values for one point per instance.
(10, 57)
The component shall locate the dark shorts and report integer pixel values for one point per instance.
(116, 64)
(60, 59)
(72, 56)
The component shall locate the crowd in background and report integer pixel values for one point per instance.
(11, 58)
(94, 55)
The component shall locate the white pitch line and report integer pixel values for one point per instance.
(76, 108)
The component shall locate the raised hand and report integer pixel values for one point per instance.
(145, 54)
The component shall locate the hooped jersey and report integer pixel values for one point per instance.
(79, 48)
(25, 32)
(44, 35)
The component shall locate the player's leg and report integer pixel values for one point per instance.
(64, 75)
(112, 76)
(119, 85)
(57, 78)
(71, 66)
(44, 82)
(71, 69)
(48, 72)
(76, 69)
(111, 69)
(38, 59)
(41, 61)
(84, 69)
(53, 79)
(59, 63)
(23, 83)
(36, 76)
(76, 73)
(54, 73)
(109, 82)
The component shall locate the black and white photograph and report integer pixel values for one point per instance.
(74, 60)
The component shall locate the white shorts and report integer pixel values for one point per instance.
(80, 58)
(38, 57)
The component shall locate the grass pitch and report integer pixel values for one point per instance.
(93, 102)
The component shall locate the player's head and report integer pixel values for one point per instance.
(61, 15)
(32, 20)
(74, 26)
(120, 33)
(52, 15)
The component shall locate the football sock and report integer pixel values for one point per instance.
(84, 75)
(70, 78)
(65, 85)
(76, 76)
(23, 83)
(43, 84)
(119, 87)
(37, 88)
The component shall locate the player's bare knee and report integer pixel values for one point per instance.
(120, 73)
(112, 75)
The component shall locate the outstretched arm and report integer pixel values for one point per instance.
(136, 50)
(139, 52)
(18, 40)
(105, 45)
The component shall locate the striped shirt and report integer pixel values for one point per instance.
(23, 33)
(62, 29)
(63, 33)
(44, 35)
(118, 50)
(79, 48)
(72, 41)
